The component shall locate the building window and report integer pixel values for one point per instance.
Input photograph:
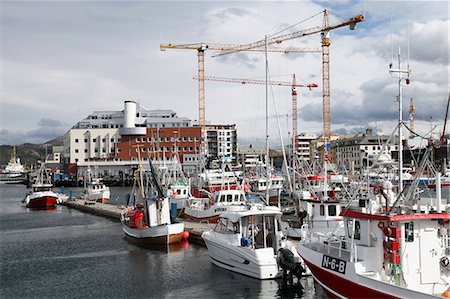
(103, 139)
(138, 139)
(85, 150)
(112, 139)
(85, 140)
(119, 149)
(112, 150)
(76, 150)
(76, 140)
(104, 150)
(94, 140)
(76, 160)
(96, 150)
(143, 149)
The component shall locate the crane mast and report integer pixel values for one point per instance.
(325, 32)
(293, 86)
(201, 48)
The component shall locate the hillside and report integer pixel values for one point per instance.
(27, 152)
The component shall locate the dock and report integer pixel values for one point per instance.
(114, 212)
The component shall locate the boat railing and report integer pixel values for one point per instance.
(341, 246)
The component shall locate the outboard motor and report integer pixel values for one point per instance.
(286, 261)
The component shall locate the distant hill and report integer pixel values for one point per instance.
(28, 153)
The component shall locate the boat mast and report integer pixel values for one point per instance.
(267, 122)
(400, 77)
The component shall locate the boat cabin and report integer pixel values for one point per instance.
(41, 187)
(409, 250)
(255, 228)
(229, 197)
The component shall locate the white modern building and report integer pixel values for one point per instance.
(81, 145)
(96, 136)
(135, 113)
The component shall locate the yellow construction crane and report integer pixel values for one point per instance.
(293, 86)
(201, 48)
(325, 32)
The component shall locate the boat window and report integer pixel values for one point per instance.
(229, 197)
(409, 232)
(322, 210)
(331, 210)
(225, 226)
(357, 234)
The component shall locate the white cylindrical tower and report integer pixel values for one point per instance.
(129, 114)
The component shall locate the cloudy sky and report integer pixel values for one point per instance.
(62, 60)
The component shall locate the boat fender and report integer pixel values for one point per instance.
(376, 190)
(445, 262)
(387, 231)
(446, 294)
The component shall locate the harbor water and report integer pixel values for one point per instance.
(64, 253)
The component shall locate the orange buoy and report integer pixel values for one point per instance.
(446, 294)
(185, 235)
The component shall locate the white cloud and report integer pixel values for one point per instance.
(63, 60)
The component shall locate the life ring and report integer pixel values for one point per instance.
(211, 201)
(381, 225)
(376, 190)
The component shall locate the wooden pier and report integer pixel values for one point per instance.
(113, 212)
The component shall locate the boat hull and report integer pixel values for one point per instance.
(350, 284)
(163, 234)
(42, 202)
(259, 263)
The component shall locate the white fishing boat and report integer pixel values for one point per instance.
(209, 209)
(96, 191)
(251, 242)
(314, 215)
(147, 219)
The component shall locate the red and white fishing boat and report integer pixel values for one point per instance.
(41, 195)
(398, 250)
(403, 254)
(147, 220)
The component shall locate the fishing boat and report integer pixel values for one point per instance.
(386, 252)
(209, 209)
(147, 219)
(250, 242)
(95, 190)
(41, 195)
(391, 248)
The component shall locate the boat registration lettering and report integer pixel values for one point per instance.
(220, 210)
(334, 264)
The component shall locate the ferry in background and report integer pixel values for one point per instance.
(14, 171)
